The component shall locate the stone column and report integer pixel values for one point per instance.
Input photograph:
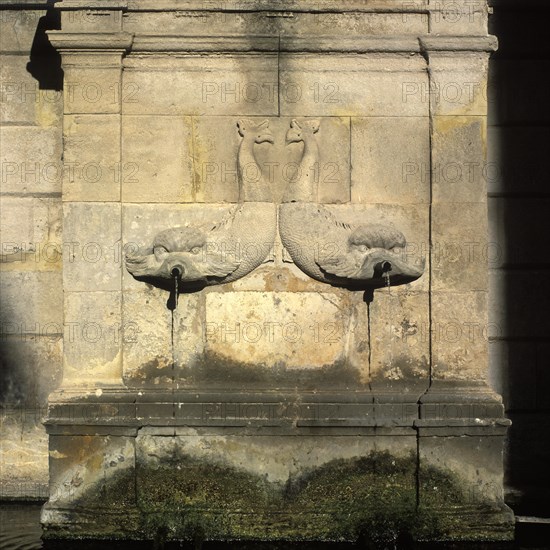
(91, 202)
(459, 401)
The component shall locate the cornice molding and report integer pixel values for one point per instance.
(443, 43)
(102, 41)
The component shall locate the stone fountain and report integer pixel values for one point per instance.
(275, 336)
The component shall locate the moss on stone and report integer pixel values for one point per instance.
(371, 498)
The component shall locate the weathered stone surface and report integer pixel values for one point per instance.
(30, 159)
(277, 330)
(459, 159)
(91, 21)
(33, 365)
(460, 246)
(391, 160)
(23, 454)
(459, 335)
(92, 156)
(399, 336)
(21, 98)
(288, 24)
(159, 343)
(92, 348)
(258, 457)
(155, 169)
(42, 295)
(458, 18)
(215, 164)
(90, 90)
(30, 230)
(482, 481)
(90, 480)
(458, 83)
(351, 86)
(410, 219)
(92, 258)
(176, 352)
(240, 85)
(18, 28)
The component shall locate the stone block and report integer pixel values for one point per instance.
(459, 335)
(92, 343)
(92, 258)
(282, 477)
(103, 475)
(30, 159)
(463, 471)
(400, 341)
(21, 99)
(94, 90)
(218, 23)
(340, 85)
(216, 143)
(391, 160)
(157, 164)
(42, 296)
(30, 233)
(18, 29)
(24, 458)
(32, 368)
(459, 159)
(458, 18)
(93, 171)
(274, 330)
(458, 84)
(460, 247)
(239, 85)
(159, 343)
(91, 21)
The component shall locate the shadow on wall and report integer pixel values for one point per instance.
(26, 379)
(519, 208)
(45, 61)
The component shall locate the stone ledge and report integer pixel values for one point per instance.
(120, 41)
(431, 44)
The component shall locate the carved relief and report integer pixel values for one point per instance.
(325, 247)
(197, 256)
(331, 250)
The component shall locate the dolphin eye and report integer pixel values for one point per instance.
(160, 251)
(195, 250)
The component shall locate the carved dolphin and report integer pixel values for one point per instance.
(208, 255)
(357, 257)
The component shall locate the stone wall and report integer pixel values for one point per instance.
(31, 295)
